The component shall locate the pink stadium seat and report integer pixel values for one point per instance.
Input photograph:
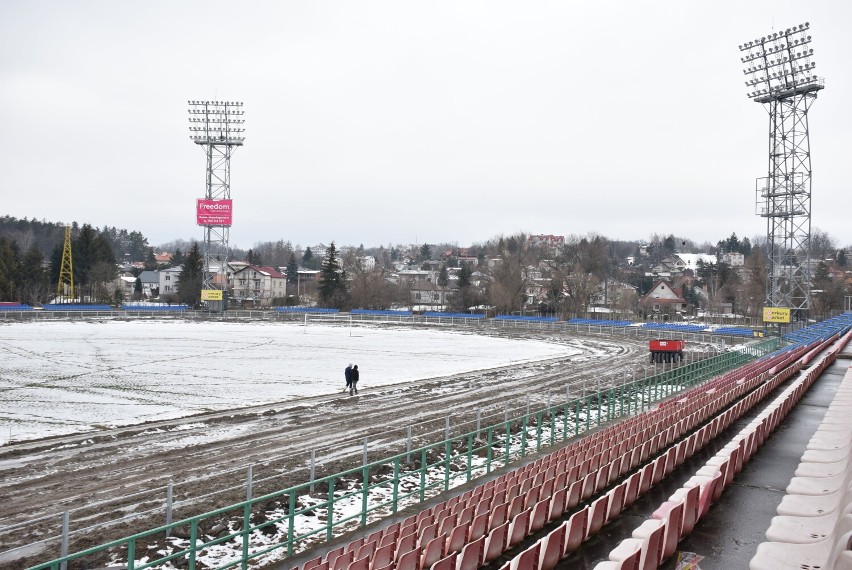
(310, 564)
(520, 527)
(516, 506)
(497, 542)
(383, 556)
(332, 555)
(597, 515)
(528, 559)
(499, 516)
(478, 528)
(366, 550)
(472, 555)
(674, 524)
(432, 552)
(575, 492)
(405, 544)
(409, 561)
(457, 539)
(360, 564)
(625, 561)
(632, 491)
(553, 545)
(650, 535)
(539, 515)
(557, 504)
(616, 501)
(576, 530)
(447, 563)
(343, 561)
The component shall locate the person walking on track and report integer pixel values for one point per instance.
(348, 374)
(353, 384)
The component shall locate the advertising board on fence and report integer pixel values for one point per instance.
(213, 212)
(211, 294)
(776, 314)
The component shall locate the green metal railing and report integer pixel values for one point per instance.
(282, 523)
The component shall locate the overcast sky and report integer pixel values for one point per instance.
(381, 122)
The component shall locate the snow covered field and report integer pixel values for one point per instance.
(65, 377)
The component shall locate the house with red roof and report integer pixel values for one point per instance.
(257, 285)
(663, 298)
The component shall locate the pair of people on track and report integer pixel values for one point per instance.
(351, 373)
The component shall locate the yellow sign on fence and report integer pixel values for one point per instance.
(776, 314)
(211, 294)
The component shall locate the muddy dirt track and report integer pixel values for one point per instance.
(114, 482)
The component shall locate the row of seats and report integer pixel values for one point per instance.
(526, 318)
(75, 307)
(663, 539)
(678, 327)
(306, 310)
(162, 308)
(813, 528)
(15, 307)
(600, 323)
(381, 313)
(498, 515)
(735, 331)
(821, 330)
(453, 315)
(655, 540)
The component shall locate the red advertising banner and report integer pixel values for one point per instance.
(213, 212)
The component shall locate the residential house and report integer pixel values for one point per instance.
(150, 284)
(257, 284)
(663, 298)
(169, 280)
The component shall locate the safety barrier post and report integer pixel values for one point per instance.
(508, 442)
(538, 416)
(524, 435)
(365, 494)
(422, 474)
(193, 537)
(489, 449)
(330, 525)
(290, 519)
(469, 455)
(395, 496)
(63, 548)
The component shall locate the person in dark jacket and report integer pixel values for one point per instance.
(348, 374)
(353, 384)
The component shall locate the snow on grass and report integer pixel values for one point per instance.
(66, 377)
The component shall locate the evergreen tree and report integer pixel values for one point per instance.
(332, 280)
(9, 270)
(307, 257)
(841, 258)
(292, 269)
(33, 277)
(443, 277)
(177, 258)
(191, 277)
(425, 252)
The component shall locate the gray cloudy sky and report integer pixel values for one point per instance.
(397, 121)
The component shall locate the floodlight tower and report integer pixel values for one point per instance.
(217, 127)
(781, 77)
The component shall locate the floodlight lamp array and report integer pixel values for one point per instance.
(779, 64)
(216, 122)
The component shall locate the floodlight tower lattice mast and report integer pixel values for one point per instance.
(217, 127)
(781, 75)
